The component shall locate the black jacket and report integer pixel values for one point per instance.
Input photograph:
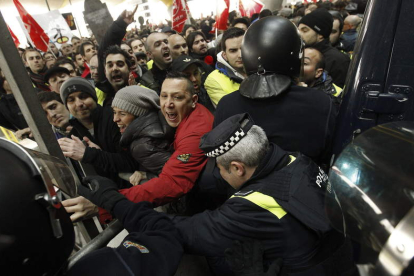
(281, 205)
(152, 247)
(11, 116)
(154, 78)
(111, 160)
(324, 83)
(336, 63)
(149, 139)
(300, 119)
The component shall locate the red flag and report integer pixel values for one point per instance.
(38, 36)
(249, 7)
(222, 14)
(179, 15)
(15, 39)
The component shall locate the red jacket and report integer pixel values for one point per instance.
(184, 166)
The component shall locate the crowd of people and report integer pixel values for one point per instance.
(150, 109)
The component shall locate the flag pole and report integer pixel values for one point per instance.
(216, 19)
(76, 22)
(47, 45)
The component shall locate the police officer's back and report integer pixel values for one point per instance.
(295, 118)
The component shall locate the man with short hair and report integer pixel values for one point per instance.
(117, 64)
(54, 49)
(56, 113)
(55, 77)
(87, 49)
(315, 29)
(276, 201)
(93, 66)
(350, 34)
(241, 23)
(75, 42)
(230, 72)
(192, 68)
(315, 76)
(36, 66)
(80, 63)
(66, 49)
(159, 51)
(180, 109)
(338, 24)
(137, 45)
(68, 64)
(178, 45)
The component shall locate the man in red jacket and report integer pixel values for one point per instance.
(179, 106)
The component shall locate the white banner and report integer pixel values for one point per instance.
(54, 25)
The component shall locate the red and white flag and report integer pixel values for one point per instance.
(36, 33)
(222, 15)
(15, 39)
(250, 7)
(179, 15)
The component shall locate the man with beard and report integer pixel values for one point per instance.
(178, 46)
(159, 51)
(315, 29)
(230, 72)
(36, 66)
(197, 46)
(117, 71)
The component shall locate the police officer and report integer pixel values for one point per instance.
(293, 117)
(279, 201)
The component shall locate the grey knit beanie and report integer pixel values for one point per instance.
(76, 84)
(136, 100)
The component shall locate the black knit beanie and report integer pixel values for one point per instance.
(76, 84)
(320, 20)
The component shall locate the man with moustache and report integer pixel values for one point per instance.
(55, 77)
(159, 51)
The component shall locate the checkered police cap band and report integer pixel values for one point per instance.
(226, 146)
(226, 135)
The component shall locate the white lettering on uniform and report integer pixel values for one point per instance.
(322, 177)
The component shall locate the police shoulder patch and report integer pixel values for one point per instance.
(184, 157)
(140, 247)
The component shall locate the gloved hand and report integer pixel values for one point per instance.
(102, 191)
(246, 259)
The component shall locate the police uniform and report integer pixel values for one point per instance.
(281, 205)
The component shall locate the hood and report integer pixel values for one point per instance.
(224, 67)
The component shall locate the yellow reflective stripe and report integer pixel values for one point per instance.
(338, 90)
(266, 202)
(149, 64)
(292, 158)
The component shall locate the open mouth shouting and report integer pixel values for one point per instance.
(117, 77)
(167, 56)
(122, 128)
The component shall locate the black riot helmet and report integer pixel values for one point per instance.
(272, 52)
(273, 45)
(36, 234)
